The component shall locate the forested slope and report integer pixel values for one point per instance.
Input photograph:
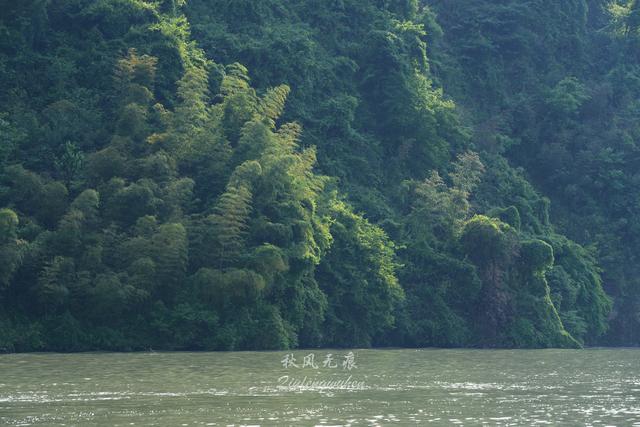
(277, 174)
(554, 87)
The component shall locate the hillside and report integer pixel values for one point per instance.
(276, 174)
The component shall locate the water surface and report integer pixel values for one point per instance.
(383, 387)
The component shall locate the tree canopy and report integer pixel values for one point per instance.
(233, 175)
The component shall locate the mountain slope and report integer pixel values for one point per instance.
(157, 193)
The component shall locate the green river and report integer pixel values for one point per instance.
(323, 387)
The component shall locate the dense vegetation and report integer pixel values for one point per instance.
(299, 173)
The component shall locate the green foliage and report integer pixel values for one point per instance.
(536, 255)
(484, 239)
(177, 203)
(515, 308)
(54, 282)
(509, 215)
(577, 291)
(11, 249)
(8, 225)
(553, 86)
(229, 225)
(358, 274)
(567, 97)
(70, 163)
(625, 18)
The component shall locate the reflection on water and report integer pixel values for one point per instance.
(403, 387)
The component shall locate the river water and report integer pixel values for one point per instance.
(323, 387)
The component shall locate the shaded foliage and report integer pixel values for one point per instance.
(320, 189)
